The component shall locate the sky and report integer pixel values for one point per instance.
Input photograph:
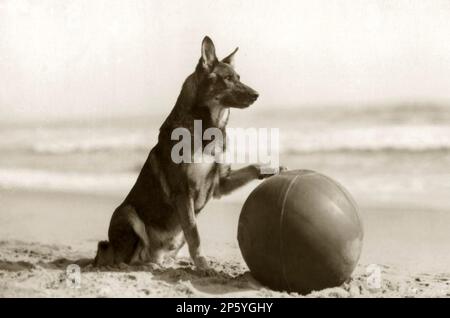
(67, 59)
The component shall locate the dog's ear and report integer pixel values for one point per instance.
(230, 58)
(209, 58)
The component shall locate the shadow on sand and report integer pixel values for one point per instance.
(223, 279)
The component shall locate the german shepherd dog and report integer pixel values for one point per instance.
(159, 213)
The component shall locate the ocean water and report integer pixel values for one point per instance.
(392, 155)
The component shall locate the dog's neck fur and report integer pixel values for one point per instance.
(219, 117)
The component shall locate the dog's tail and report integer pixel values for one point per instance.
(105, 254)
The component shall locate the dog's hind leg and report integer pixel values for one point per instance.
(141, 253)
(126, 234)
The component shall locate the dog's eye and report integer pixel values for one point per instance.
(229, 78)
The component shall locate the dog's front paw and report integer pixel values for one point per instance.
(201, 263)
(282, 169)
(265, 172)
(202, 266)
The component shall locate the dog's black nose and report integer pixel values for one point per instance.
(254, 96)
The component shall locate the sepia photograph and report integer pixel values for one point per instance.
(240, 149)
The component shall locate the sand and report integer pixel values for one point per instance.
(42, 233)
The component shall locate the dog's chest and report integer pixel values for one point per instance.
(203, 177)
(223, 118)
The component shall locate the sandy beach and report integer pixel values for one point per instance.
(43, 232)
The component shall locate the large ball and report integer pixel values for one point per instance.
(300, 231)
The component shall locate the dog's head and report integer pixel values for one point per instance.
(219, 84)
